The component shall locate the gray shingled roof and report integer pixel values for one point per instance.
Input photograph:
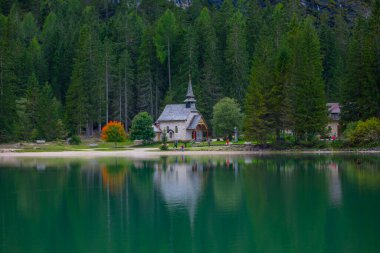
(194, 122)
(176, 112)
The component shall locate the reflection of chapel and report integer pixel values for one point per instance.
(182, 121)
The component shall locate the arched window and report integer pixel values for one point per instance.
(176, 129)
(170, 134)
(167, 129)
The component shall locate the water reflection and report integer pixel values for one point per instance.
(180, 185)
(335, 188)
(182, 204)
(114, 177)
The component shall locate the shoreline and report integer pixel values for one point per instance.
(154, 152)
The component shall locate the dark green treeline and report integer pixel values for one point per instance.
(70, 66)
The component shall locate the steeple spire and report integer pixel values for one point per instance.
(190, 98)
(190, 93)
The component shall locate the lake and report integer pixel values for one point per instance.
(277, 203)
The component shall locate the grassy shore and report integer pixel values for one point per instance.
(87, 145)
(56, 146)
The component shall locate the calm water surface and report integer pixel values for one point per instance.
(253, 204)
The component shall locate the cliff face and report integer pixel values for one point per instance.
(351, 8)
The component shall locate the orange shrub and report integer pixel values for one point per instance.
(113, 132)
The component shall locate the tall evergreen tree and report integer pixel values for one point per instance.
(166, 32)
(145, 74)
(82, 101)
(208, 63)
(236, 56)
(255, 111)
(310, 110)
(361, 94)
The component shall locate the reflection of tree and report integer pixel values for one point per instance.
(227, 188)
(335, 188)
(270, 204)
(363, 171)
(286, 209)
(114, 176)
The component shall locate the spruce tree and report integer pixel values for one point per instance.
(145, 74)
(310, 116)
(208, 63)
(255, 127)
(164, 39)
(236, 57)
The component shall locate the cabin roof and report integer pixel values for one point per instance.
(333, 107)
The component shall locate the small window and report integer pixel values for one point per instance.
(167, 129)
(176, 129)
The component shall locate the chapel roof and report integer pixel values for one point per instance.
(175, 112)
(194, 122)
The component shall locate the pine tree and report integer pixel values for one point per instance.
(255, 112)
(82, 103)
(7, 82)
(361, 94)
(126, 71)
(208, 63)
(236, 57)
(330, 58)
(310, 110)
(164, 39)
(254, 24)
(145, 74)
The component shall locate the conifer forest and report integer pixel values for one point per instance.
(70, 66)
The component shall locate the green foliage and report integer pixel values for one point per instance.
(164, 146)
(226, 116)
(35, 135)
(75, 140)
(236, 56)
(366, 133)
(101, 61)
(310, 113)
(142, 127)
(254, 122)
(164, 137)
(166, 31)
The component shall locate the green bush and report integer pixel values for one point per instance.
(338, 144)
(34, 135)
(349, 130)
(164, 147)
(142, 127)
(366, 133)
(75, 140)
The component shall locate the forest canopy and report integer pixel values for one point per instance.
(75, 65)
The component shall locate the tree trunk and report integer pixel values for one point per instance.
(107, 83)
(1, 78)
(87, 129)
(151, 94)
(156, 102)
(169, 68)
(120, 96)
(100, 113)
(125, 100)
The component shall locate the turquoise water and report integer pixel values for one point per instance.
(254, 204)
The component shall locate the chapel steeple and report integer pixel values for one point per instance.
(190, 98)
